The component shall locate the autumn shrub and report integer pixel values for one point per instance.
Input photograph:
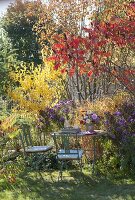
(53, 118)
(117, 117)
(106, 104)
(10, 120)
(35, 91)
(36, 88)
(120, 127)
(119, 145)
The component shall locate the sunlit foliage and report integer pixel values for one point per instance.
(37, 88)
(107, 49)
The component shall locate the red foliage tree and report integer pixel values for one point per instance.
(97, 52)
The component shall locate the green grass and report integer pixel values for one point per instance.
(76, 186)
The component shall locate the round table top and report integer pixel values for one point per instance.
(83, 133)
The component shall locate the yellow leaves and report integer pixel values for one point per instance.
(39, 87)
(8, 126)
(121, 97)
(114, 9)
(26, 83)
(8, 122)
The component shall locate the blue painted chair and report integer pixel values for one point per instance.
(67, 149)
(27, 144)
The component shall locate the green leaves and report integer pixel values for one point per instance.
(18, 22)
(7, 58)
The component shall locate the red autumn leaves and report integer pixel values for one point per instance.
(91, 54)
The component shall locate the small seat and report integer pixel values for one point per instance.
(28, 147)
(67, 149)
(37, 149)
(73, 154)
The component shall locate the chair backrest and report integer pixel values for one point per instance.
(66, 141)
(25, 136)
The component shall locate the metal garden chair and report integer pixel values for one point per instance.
(67, 149)
(27, 144)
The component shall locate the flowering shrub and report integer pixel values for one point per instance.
(53, 118)
(121, 123)
(37, 87)
(119, 148)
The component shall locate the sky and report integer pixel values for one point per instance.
(3, 5)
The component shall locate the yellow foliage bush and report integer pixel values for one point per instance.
(38, 87)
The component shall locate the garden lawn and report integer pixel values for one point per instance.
(77, 186)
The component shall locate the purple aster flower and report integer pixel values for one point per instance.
(51, 111)
(38, 126)
(133, 114)
(58, 106)
(69, 101)
(122, 122)
(47, 122)
(98, 119)
(123, 139)
(94, 116)
(62, 119)
(130, 119)
(117, 113)
(86, 117)
(125, 132)
(40, 119)
(52, 116)
(106, 122)
(118, 129)
(113, 136)
(66, 110)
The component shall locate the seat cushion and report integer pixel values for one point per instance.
(34, 149)
(71, 154)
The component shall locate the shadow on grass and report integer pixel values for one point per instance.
(76, 186)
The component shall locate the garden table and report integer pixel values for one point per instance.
(94, 134)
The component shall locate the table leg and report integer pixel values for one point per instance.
(94, 155)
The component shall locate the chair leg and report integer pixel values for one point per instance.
(66, 165)
(80, 164)
(60, 172)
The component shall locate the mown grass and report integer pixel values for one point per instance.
(31, 185)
